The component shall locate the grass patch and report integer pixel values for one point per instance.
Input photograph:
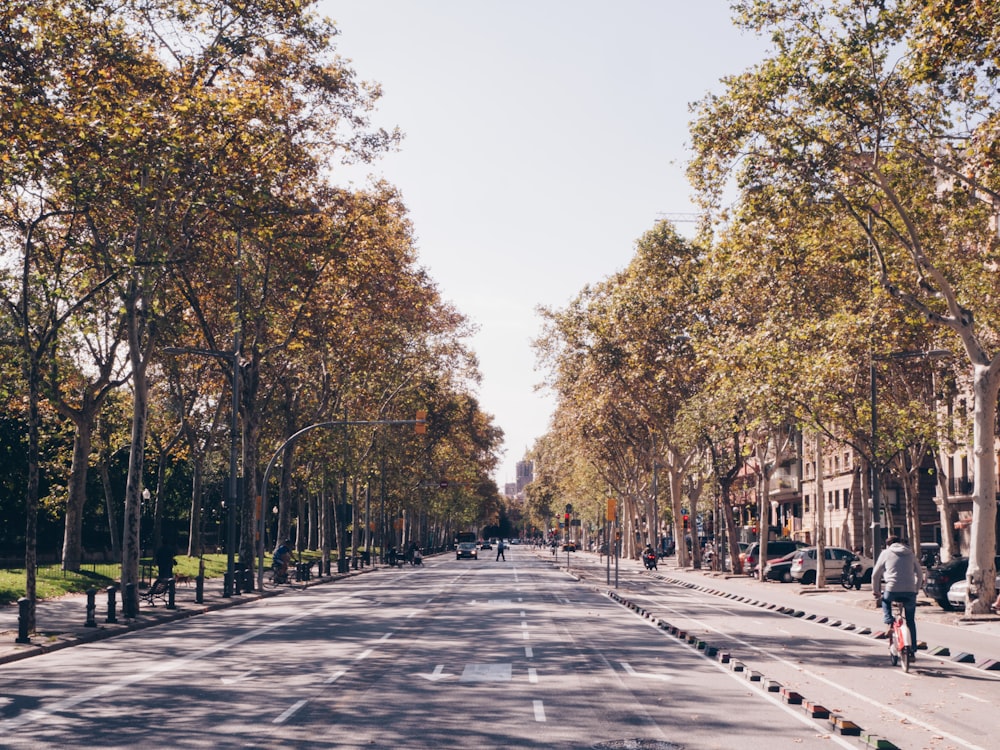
(52, 581)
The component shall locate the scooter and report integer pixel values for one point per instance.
(850, 577)
(649, 560)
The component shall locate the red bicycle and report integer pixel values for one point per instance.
(901, 646)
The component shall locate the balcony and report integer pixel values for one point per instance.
(960, 486)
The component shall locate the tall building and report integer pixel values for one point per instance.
(525, 475)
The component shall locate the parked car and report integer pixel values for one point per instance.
(485, 545)
(941, 578)
(804, 569)
(780, 569)
(956, 593)
(775, 549)
(467, 549)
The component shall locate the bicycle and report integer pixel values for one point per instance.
(276, 577)
(901, 646)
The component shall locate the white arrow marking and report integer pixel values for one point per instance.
(238, 678)
(437, 674)
(648, 675)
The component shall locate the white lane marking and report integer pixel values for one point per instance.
(238, 678)
(525, 635)
(363, 655)
(486, 673)
(539, 710)
(290, 711)
(524, 623)
(529, 653)
(385, 637)
(974, 697)
(532, 676)
(522, 613)
(335, 676)
(648, 675)
(437, 674)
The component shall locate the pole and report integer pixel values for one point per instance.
(875, 478)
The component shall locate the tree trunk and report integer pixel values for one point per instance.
(982, 567)
(820, 515)
(77, 494)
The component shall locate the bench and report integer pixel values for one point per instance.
(158, 589)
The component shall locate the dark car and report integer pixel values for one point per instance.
(468, 550)
(940, 578)
(775, 549)
(780, 569)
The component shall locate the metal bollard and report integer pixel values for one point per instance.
(130, 601)
(171, 592)
(237, 582)
(227, 584)
(91, 608)
(199, 590)
(112, 617)
(23, 614)
(247, 579)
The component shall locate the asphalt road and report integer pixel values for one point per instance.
(470, 653)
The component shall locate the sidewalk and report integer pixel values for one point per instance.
(62, 622)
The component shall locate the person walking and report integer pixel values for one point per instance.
(897, 577)
(500, 551)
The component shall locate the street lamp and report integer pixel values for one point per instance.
(876, 473)
(234, 442)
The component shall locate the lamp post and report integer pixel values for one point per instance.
(876, 469)
(234, 441)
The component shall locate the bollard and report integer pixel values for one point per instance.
(112, 617)
(247, 579)
(171, 592)
(354, 562)
(130, 601)
(227, 584)
(199, 590)
(91, 608)
(237, 581)
(23, 615)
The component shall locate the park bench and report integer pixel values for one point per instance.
(158, 589)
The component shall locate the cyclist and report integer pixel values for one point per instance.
(897, 577)
(282, 558)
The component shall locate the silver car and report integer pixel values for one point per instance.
(803, 567)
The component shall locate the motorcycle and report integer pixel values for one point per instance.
(852, 574)
(649, 560)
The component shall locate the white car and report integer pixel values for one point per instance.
(957, 591)
(803, 567)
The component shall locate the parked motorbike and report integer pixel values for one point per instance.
(853, 572)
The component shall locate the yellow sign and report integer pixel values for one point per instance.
(610, 515)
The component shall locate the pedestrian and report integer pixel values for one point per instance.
(897, 577)
(500, 551)
(165, 562)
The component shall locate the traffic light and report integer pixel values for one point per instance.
(685, 523)
(421, 426)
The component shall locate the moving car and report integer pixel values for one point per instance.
(467, 549)
(804, 564)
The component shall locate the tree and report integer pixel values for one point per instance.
(839, 114)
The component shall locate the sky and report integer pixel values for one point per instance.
(542, 138)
